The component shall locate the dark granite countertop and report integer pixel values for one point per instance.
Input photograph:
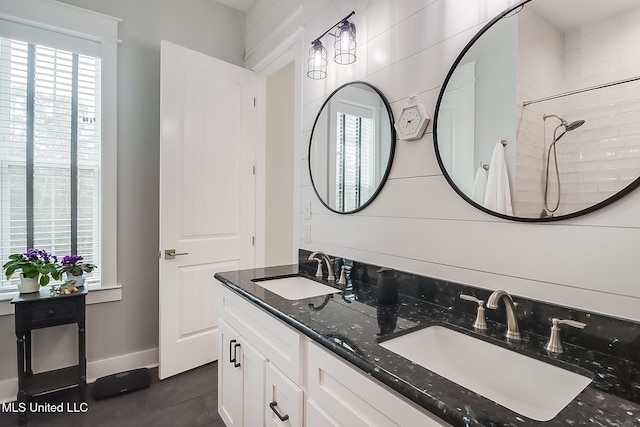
(352, 322)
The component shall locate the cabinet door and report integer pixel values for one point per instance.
(253, 369)
(284, 400)
(241, 373)
(230, 378)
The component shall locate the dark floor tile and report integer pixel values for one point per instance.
(215, 423)
(187, 399)
(141, 421)
(126, 406)
(8, 419)
(183, 387)
(211, 403)
(44, 415)
(56, 420)
(185, 414)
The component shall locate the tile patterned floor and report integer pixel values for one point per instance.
(187, 399)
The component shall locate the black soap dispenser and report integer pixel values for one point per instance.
(387, 287)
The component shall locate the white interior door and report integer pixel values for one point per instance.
(207, 197)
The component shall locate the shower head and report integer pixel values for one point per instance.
(567, 126)
(573, 125)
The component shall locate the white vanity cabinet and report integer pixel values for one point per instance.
(340, 395)
(269, 374)
(259, 369)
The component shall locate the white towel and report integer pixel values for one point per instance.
(479, 186)
(498, 193)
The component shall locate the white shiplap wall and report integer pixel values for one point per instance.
(418, 223)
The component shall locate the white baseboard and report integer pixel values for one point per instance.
(95, 369)
(140, 359)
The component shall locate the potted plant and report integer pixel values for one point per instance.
(36, 268)
(75, 268)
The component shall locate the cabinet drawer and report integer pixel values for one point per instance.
(284, 400)
(354, 400)
(278, 342)
(49, 313)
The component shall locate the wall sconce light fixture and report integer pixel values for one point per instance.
(344, 49)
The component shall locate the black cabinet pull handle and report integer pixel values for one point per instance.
(236, 364)
(232, 359)
(273, 405)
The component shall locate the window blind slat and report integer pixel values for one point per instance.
(355, 161)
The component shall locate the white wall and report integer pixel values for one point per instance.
(279, 174)
(495, 56)
(127, 330)
(418, 223)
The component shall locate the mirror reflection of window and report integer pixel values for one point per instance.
(351, 147)
(355, 160)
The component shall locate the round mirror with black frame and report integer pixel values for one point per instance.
(351, 147)
(538, 118)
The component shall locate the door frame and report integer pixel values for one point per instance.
(290, 50)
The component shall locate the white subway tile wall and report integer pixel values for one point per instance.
(540, 74)
(603, 156)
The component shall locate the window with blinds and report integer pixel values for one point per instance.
(50, 152)
(355, 146)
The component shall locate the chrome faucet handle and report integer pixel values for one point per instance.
(554, 345)
(319, 269)
(480, 323)
(343, 275)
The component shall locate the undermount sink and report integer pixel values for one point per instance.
(295, 287)
(525, 385)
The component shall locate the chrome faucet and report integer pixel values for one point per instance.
(513, 332)
(331, 277)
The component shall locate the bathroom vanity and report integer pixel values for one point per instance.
(321, 360)
(271, 373)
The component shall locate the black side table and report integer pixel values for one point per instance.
(41, 310)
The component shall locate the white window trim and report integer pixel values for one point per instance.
(67, 19)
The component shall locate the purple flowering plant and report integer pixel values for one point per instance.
(73, 264)
(33, 263)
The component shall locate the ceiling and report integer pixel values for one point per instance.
(568, 14)
(242, 5)
(565, 14)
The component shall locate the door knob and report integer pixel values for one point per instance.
(171, 253)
